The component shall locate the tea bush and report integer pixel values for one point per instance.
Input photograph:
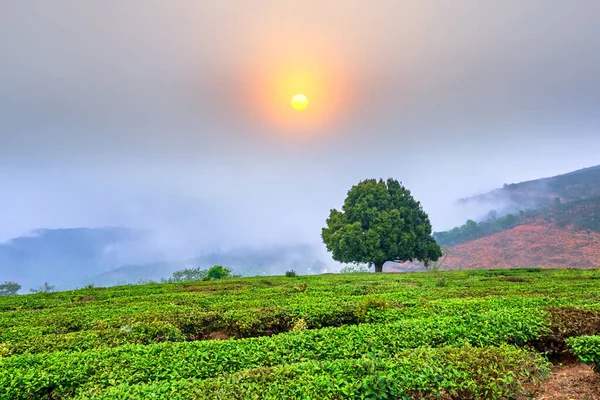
(587, 348)
(301, 337)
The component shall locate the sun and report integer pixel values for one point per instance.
(299, 102)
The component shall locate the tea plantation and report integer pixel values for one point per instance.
(448, 335)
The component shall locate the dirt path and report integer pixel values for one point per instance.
(572, 382)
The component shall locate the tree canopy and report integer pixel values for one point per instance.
(197, 274)
(380, 221)
(9, 288)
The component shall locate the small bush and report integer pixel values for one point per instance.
(291, 274)
(154, 332)
(370, 303)
(566, 322)
(188, 275)
(352, 269)
(587, 349)
(47, 288)
(442, 282)
(302, 288)
(4, 350)
(300, 325)
(217, 272)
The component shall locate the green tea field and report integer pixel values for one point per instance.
(450, 335)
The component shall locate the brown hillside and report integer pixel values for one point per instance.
(539, 245)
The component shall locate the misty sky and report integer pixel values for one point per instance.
(169, 115)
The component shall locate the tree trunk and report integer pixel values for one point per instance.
(378, 267)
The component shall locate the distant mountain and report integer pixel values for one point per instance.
(274, 260)
(70, 258)
(63, 255)
(511, 198)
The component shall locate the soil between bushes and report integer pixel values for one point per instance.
(572, 381)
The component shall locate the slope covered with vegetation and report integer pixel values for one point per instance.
(573, 186)
(550, 223)
(580, 215)
(451, 335)
(540, 245)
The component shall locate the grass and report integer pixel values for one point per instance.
(482, 334)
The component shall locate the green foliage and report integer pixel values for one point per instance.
(441, 282)
(217, 272)
(581, 215)
(460, 373)
(351, 269)
(300, 325)
(472, 230)
(9, 288)
(380, 221)
(291, 274)
(188, 275)
(297, 338)
(67, 372)
(302, 287)
(46, 288)
(587, 349)
(368, 304)
(197, 274)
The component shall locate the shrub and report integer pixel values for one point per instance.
(46, 288)
(4, 350)
(155, 332)
(370, 303)
(217, 272)
(302, 288)
(587, 349)
(567, 322)
(291, 274)
(188, 275)
(300, 325)
(442, 282)
(351, 269)
(463, 373)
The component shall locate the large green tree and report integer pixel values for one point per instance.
(380, 221)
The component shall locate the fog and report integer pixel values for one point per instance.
(168, 117)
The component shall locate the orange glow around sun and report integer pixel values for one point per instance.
(283, 86)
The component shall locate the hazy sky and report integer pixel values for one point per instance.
(174, 115)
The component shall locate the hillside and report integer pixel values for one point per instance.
(64, 255)
(329, 336)
(581, 215)
(541, 245)
(76, 257)
(556, 226)
(538, 193)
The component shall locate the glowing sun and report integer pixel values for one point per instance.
(299, 102)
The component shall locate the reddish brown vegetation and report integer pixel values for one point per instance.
(545, 246)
